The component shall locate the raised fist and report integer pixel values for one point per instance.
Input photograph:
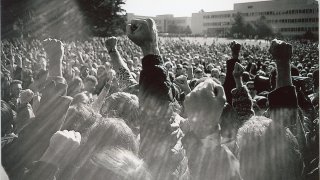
(280, 50)
(62, 147)
(54, 48)
(238, 70)
(235, 46)
(203, 106)
(142, 32)
(64, 141)
(111, 43)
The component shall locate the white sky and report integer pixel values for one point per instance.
(178, 7)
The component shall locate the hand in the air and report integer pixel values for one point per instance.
(280, 50)
(203, 106)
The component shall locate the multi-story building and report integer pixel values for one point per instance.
(165, 21)
(288, 17)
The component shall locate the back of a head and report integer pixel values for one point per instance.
(75, 86)
(267, 151)
(116, 164)
(112, 132)
(123, 105)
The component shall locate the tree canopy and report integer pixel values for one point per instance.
(62, 18)
(260, 27)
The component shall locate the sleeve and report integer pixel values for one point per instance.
(125, 77)
(229, 83)
(242, 103)
(283, 103)
(41, 170)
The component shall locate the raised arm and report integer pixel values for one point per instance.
(283, 100)
(118, 63)
(241, 100)
(143, 32)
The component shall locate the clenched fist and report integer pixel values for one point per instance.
(54, 49)
(280, 50)
(203, 106)
(111, 43)
(143, 32)
(62, 146)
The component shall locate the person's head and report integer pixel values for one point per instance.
(108, 66)
(26, 96)
(101, 71)
(179, 70)
(252, 90)
(222, 78)
(198, 73)
(130, 64)
(267, 151)
(75, 86)
(210, 67)
(114, 163)
(84, 71)
(15, 88)
(235, 49)
(123, 105)
(215, 73)
(90, 82)
(80, 98)
(111, 132)
(135, 61)
(303, 73)
(168, 66)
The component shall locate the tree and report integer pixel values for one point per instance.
(62, 18)
(188, 30)
(105, 17)
(173, 28)
(310, 36)
(238, 26)
(263, 29)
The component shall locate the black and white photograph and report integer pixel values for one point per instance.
(159, 90)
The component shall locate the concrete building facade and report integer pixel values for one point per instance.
(165, 21)
(288, 17)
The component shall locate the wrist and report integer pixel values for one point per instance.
(151, 48)
(112, 50)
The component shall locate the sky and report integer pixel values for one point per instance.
(178, 7)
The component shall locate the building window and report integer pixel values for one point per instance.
(250, 7)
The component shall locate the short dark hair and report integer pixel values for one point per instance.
(92, 79)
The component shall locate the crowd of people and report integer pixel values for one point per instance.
(139, 107)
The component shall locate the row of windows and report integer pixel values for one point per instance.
(217, 16)
(304, 20)
(299, 29)
(217, 24)
(296, 11)
(307, 20)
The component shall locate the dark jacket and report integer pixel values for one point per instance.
(229, 83)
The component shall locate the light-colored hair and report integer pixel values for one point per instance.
(123, 105)
(267, 151)
(123, 163)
